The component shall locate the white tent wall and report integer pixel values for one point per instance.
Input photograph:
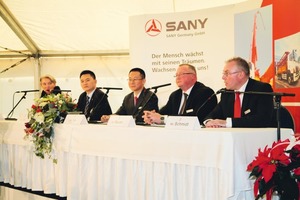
(79, 27)
(110, 72)
(76, 25)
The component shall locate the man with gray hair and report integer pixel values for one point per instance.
(241, 109)
(189, 100)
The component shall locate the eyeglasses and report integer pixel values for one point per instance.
(178, 75)
(134, 79)
(230, 73)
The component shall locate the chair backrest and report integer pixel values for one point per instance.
(286, 119)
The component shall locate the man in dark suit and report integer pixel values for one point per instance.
(256, 109)
(92, 102)
(139, 99)
(188, 100)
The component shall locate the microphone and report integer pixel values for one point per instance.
(60, 91)
(109, 88)
(159, 86)
(99, 102)
(141, 108)
(223, 90)
(25, 91)
(209, 98)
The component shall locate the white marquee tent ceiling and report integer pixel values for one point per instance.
(69, 27)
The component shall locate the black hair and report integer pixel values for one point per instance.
(142, 72)
(88, 72)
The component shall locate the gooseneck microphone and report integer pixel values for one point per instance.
(208, 99)
(147, 101)
(25, 91)
(223, 90)
(141, 108)
(99, 102)
(110, 88)
(159, 86)
(14, 107)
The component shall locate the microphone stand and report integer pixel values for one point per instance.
(10, 113)
(139, 111)
(154, 92)
(277, 105)
(107, 91)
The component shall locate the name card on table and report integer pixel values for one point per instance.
(121, 121)
(75, 119)
(182, 122)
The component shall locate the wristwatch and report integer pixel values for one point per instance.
(162, 119)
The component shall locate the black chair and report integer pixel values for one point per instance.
(286, 119)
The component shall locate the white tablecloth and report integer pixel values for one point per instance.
(136, 163)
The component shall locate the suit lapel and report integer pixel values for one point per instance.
(245, 103)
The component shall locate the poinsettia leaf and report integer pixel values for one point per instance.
(268, 171)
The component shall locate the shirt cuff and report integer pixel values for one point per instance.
(228, 122)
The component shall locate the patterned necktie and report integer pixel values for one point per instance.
(237, 106)
(184, 104)
(87, 102)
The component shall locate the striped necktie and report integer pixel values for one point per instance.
(184, 104)
(87, 102)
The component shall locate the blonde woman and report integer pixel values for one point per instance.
(48, 85)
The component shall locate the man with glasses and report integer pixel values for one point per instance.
(241, 109)
(192, 98)
(139, 99)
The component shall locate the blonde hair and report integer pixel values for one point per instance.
(51, 78)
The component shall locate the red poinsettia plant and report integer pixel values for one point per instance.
(276, 171)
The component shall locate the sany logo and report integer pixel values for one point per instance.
(153, 27)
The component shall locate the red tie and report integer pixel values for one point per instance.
(135, 100)
(237, 106)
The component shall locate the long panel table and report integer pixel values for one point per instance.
(136, 163)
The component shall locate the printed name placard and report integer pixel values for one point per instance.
(121, 121)
(75, 119)
(182, 122)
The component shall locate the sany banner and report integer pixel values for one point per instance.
(206, 38)
(203, 38)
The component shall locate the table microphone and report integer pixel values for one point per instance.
(141, 108)
(209, 98)
(159, 86)
(25, 91)
(110, 88)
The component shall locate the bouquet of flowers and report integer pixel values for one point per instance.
(43, 114)
(276, 171)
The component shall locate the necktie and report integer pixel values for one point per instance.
(87, 102)
(135, 100)
(184, 104)
(237, 106)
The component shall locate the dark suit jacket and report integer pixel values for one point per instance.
(146, 101)
(56, 90)
(256, 109)
(198, 96)
(98, 106)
